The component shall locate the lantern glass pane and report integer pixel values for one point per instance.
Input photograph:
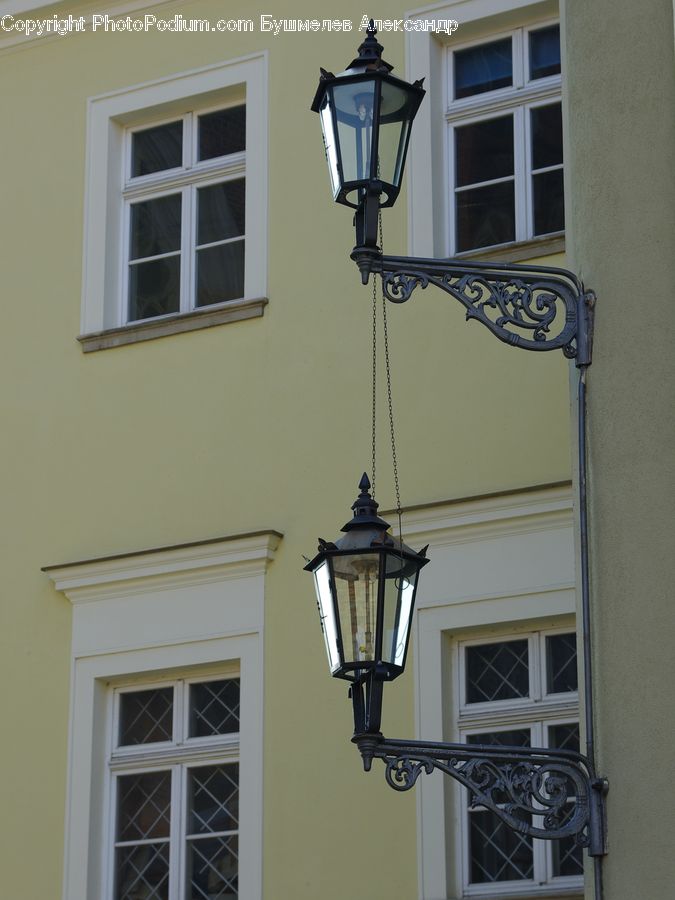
(330, 144)
(397, 110)
(354, 112)
(399, 594)
(356, 582)
(327, 614)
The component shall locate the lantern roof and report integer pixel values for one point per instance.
(365, 531)
(370, 56)
(368, 62)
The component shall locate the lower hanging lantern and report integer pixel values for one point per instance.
(365, 585)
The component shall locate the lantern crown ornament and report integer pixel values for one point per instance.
(366, 117)
(365, 585)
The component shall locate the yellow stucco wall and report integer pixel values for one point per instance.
(621, 217)
(253, 425)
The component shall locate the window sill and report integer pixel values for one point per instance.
(528, 895)
(515, 252)
(531, 892)
(149, 329)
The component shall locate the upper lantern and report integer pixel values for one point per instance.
(366, 116)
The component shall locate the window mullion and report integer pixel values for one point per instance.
(187, 228)
(188, 128)
(175, 884)
(125, 245)
(521, 167)
(518, 59)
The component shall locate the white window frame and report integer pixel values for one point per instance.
(187, 611)
(537, 713)
(516, 100)
(109, 120)
(430, 213)
(183, 180)
(501, 565)
(176, 756)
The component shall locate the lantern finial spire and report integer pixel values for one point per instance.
(370, 54)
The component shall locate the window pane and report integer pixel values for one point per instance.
(498, 671)
(142, 872)
(485, 216)
(155, 226)
(214, 799)
(519, 737)
(564, 737)
(221, 211)
(546, 122)
(143, 806)
(484, 151)
(222, 132)
(157, 149)
(154, 288)
(214, 707)
(483, 68)
(497, 853)
(146, 716)
(549, 202)
(561, 663)
(545, 52)
(220, 273)
(213, 869)
(567, 857)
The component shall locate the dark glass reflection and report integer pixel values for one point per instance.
(155, 226)
(485, 216)
(561, 663)
(545, 52)
(142, 871)
(483, 68)
(546, 122)
(154, 288)
(157, 149)
(221, 211)
(497, 852)
(214, 799)
(214, 707)
(213, 868)
(220, 273)
(484, 151)
(222, 132)
(549, 203)
(497, 671)
(146, 716)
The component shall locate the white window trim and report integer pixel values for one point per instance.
(177, 756)
(182, 611)
(501, 562)
(536, 713)
(427, 165)
(108, 116)
(184, 180)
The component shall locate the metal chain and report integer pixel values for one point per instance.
(389, 397)
(374, 424)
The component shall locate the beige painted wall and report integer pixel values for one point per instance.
(259, 424)
(621, 225)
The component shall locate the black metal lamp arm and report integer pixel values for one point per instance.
(532, 307)
(538, 791)
(523, 786)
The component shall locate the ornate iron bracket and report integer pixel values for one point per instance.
(532, 307)
(549, 794)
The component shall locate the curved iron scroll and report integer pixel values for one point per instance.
(531, 307)
(549, 794)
